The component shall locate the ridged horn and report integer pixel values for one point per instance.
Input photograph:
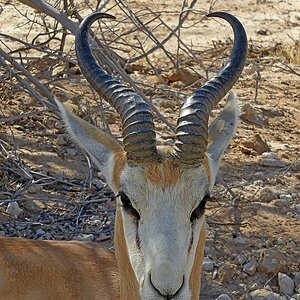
(192, 125)
(139, 137)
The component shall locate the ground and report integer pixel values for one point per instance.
(257, 217)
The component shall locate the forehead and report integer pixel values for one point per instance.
(165, 177)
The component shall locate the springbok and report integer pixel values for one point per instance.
(161, 194)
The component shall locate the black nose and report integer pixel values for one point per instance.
(165, 291)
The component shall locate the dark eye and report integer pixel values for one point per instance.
(127, 206)
(199, 210)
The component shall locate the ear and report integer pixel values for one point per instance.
(221, 132)
(100, 146)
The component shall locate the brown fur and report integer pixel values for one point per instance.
(120, 161)
(51, 270)
(129, 288)
(163, 174)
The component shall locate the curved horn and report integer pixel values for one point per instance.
(137, 121)
(192, 125)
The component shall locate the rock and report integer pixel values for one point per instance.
(58, 125)
(61, 140)
(270, 159)
(85, 237)
(267, 195)
(297, 280)
(35, 188)
(286, 284)
(239, 241)
(286, 197)
(226, 272)
(71, 152)
(184, 75)
(208, 264)
(281, 202)
(297, 208)
(250, 267)
(257, 143)
(262, 294)
(291, 244)
(40, 232)
(295, 297)
(223, 297)
(249, 114)
(240, 259)
(272, 261)
(13, 209)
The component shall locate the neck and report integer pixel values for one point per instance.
(129, 288)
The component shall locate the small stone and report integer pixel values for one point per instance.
(13, 209)
(269, 155)
(291, 244)
(85, 237)
(35, 188)
(223, 297)
(267, 195)
(281, 202)
(40, 232)
(262, 294)
(207, 250)
(249, 114)
(2, 233)
(208, 264)
(250, 267)
(275, 163)
(239, 241)
(297, 208)
(286, 284)
(272, 261)
(295, 297)
(58, 125)
(257, 143)
(286, 197)
(61, 141)
(71, 152)
(240, 259)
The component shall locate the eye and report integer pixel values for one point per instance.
(199, 210)
(127, 206)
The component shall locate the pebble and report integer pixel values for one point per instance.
(208, 264)
(266, 195)
(262, 294)
(250, 267)
(85, 237)
(13, 209)
(281, 202)
(61, 141)
(275, 163)
(239, 241)
(297, 208)
(223, 297)
(72, 152)
(286, 284)
(35, 188)
(291, 244)
(240, 259)
(40, 232)
(269, 155)
(272, 261)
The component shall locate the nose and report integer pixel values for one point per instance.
(166, 288)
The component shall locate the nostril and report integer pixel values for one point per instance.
(167, 291)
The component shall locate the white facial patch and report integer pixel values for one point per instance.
(162, 243)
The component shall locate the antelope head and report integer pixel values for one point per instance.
(160, 226)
